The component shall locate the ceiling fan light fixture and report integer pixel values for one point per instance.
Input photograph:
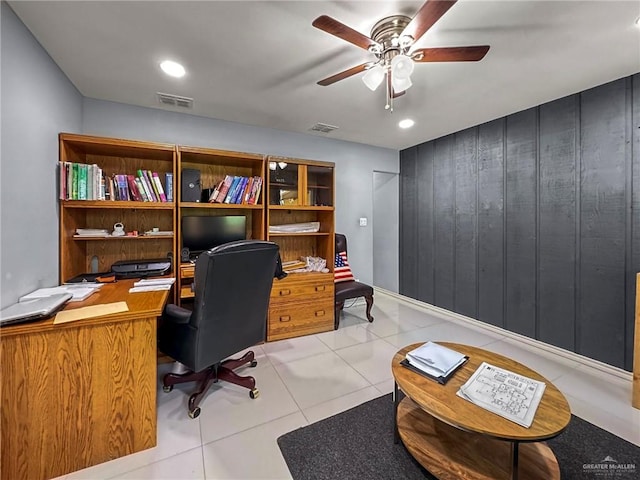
(373, 78)
(400, 84)
(402, 67)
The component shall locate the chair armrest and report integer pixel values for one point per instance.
(176, 314)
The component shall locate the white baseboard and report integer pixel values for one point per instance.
(456, 317)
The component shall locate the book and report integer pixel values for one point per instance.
(237, 196)
(133, 188)
(158, 184)
(146, 186)
(258, 188)
(82, 181)
(228, 180)
(154, 188)
(232, 189)
(168, 186)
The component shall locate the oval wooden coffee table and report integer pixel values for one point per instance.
(455, 439)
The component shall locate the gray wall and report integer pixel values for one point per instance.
(38, 101)
(355, 162)
(527, 222)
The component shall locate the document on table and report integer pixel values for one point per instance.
(152, 285)
(512, 396)
(90, 312)
(79, 292)
(435, 359)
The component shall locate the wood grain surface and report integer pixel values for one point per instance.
(636, 349)
(552, 417)
(453, 454)
(81, 393)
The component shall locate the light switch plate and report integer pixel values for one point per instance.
(363, 222)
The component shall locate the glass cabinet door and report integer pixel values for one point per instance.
(319, 186)
(283, 184)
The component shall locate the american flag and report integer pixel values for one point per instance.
(342, 270)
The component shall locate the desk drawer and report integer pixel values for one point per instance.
(295, 319)
(315, 289)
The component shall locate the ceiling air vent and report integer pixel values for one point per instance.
(175, 100)
(322, 128)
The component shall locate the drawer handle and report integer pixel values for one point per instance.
(320, 288)
(285, 318)
(285, 292)
(320, 313)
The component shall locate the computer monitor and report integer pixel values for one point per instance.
(200, 233)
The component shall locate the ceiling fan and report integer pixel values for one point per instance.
(391, 41)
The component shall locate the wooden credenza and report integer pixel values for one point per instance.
(80, 393)
(301, 304)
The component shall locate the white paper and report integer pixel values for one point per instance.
(149, 288)
(512, 396)
(154, 281)
(435, 359)
(79, 292)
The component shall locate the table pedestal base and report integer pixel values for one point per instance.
(453, 454)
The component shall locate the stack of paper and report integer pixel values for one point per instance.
(512, 396)
(79, 292)
(152, 285)
(435, 360)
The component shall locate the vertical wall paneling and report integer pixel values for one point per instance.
(444, 222)
(425, 243)
(633, 217)
(465, 165)
(557, 219)
(602, 229)
(408, 223)
(520, 211)
(490, 223)
(544, 205)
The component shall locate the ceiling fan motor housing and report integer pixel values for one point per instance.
(386, 33)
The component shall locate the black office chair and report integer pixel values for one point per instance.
(232, 287)
(350, 289)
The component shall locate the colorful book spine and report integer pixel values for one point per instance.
(232, 189)
(228, 180)
(158, 183)
(82, 181)
(168, 186)
(147, 188)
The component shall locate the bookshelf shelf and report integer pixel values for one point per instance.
(232, 206)
(125, 238)
(110, 204)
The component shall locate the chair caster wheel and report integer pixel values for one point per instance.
(195, 413)
(167, 388)
(253, 363)
(254, 393)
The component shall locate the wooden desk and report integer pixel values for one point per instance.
(80, 393)
(455, 439)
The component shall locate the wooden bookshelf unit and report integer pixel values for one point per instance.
(114, 157)
(301, 191)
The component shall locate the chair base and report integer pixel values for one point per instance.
(340, 305)
(208, 376)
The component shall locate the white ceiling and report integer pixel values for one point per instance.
(258, 62)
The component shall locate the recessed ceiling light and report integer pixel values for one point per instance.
(406, 123)
(172, 68)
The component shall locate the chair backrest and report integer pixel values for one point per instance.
(341, 243)
(232, 287)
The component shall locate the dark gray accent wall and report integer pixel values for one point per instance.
(530, 222)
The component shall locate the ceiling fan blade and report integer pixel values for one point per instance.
(450, 54)
(340, 30)
(342, 75)
(428, 14)
(398, 94)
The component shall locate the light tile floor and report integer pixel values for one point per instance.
(306, 379)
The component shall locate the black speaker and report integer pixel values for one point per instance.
(191, 188)
(184, 254)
